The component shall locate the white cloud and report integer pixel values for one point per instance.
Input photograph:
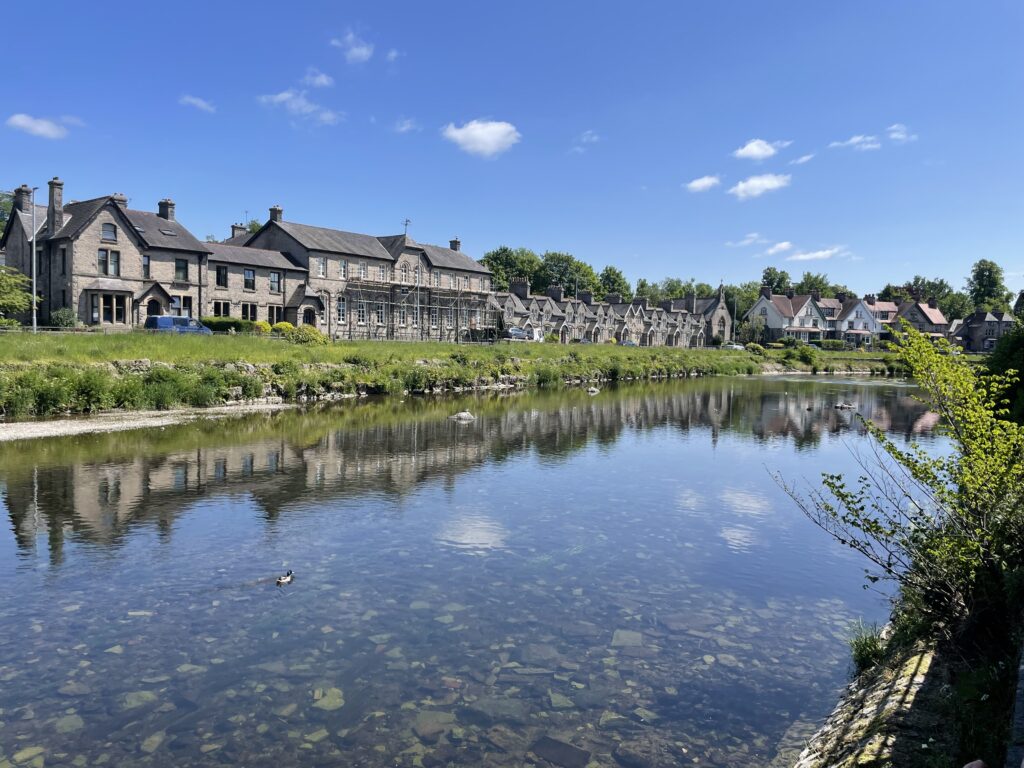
(802, 159)
(900, 134)
(782, 247)
(357, 50)
(406, 125)
(317, 79)
(295, 103)
(393, 55)
(581, 142)
(821, 255)
(77, 122)
(195, 101)
(751, 238)
(703, 184)
(485, 138)
(37, 126)
(859, 142)
(755, 186)
(759, 149)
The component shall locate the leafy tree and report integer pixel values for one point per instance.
(1018, 305)
(985, 286)
(1008, 357)
(674, 288)
(811, 282)
(648, 290)
(895, 293)
(506, 263)
(566, 270)
(612, 280)
(254, 226)
(956, 304)
(777, 280)
(6, 204)
(740, 298)
(948, 529)
(14, 292)
(211, 238)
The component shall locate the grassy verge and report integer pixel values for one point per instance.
(49, 375)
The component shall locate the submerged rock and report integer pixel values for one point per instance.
(329, 699)
(490, 710)
(431, 723)
(560, 753)
(627, 638)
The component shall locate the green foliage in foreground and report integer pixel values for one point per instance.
(866, 646)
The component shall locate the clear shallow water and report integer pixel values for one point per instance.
(590, 569)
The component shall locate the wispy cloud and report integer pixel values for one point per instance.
(393, 55)
(778, 248)
(486, 138)
(357, 50)
(194, 101)
(755, 186)
(406, 125)
(295, 103)
(37, 126)
(820, 255)
(72, 120)
(900, 134)
(583, 142)
(859, 142)
(759, 149)
(802, 159)
(316, 79)
(703, 184)
(751, 238)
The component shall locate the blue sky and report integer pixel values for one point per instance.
(555, 126)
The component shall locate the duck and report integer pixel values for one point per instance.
(463, 416)
(286, 579)
(593, 391)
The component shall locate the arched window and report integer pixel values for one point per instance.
(721, 325)
(109, 233)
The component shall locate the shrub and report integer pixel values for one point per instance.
(262, 327)
(92, 390)
(807, 355)
(774, 345)
(755, 349)
(551, 338)
(252, 387)
(833, 345)
(866, 646)
(283, 327)
(790, 341)
(8, 322)
(306, 334)
(227, 324)
(128, 393)
(63, 318)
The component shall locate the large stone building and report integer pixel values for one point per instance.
(115, 266)
(981, 330)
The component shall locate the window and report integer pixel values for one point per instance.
(764, 311)
(109, 233)
(363, 270)
(383, 273)
(186, 306)
(361, 313)
(222, 309)
(222, 275)
(437, 278)
(404, 272)
(401, 316)
(63, 260)
(145, 267)
(108, 262)
(181, 270)
(341, 309)
(344, 270)
(485, 284)
(275, 314)
(433, 317)
(416, 275)
(321, 267)
(275, 282)
(449, 317)
(379, 312)
(249, 279)
(248, 310)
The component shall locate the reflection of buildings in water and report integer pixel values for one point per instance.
(100, 501)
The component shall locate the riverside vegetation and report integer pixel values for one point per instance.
(49, 375)
(948, 531)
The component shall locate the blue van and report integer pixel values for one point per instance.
(173, 324)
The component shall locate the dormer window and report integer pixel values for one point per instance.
(109, 233)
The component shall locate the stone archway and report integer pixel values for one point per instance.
(154, 307)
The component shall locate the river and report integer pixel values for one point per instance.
(565, 573)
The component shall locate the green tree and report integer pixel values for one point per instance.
(956, 304)
(612, 280)
(811, 282)
(985, 286)
(1007, 359)
(740, 298)
(566, 270)
(674, 288)
(1018, 305)
(14, 292)
(648, 290)
(777, 280)
(254, 226)
(6, 204)
(895, 293)
(506, 263)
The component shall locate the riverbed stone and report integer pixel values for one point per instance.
(560, 753)
(431, 723)
(627, 638)
(491, 709)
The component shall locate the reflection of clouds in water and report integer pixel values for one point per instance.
(739, 538)
(688, 500)
(745, 502)
(475, 534)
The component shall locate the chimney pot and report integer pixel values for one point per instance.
(816, 295)
(455, 244)
(932, 303)
(165, 209)
(120, 199)
(238, 229)
(613, 298)
(520, 286)
(841, 298)
(555, 292)
(766, 291)
(586, 297)
(55, 209)
(276, 213)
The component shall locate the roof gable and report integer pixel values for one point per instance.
(334, 240)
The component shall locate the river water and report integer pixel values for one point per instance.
(561, 575)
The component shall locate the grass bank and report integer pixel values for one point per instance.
(52, 375)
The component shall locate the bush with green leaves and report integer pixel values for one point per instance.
(9, 323)
(282, 327)
(261, 327)
(833, 345)
(306, 334)
(227, 324)
(64, 317)
(755, 349)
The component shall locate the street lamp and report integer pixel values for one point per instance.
(35, 266)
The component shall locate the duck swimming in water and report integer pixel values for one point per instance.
(286, 579)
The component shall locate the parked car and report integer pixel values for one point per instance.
(517, 334)
(740, 347)
(628, 344)
(174, 324)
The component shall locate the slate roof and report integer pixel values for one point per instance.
(241, 239)
(932, 314)
(111, 284)
(251, 257)
(335, 240)
(158, 232)
(26, 219)
(437, 255)
(77, 216)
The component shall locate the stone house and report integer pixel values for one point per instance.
(925, 316)
(856, 323)
(885, 312)
(255, 284)
(981, 331)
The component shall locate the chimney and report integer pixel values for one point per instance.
(55, 210)
(23, 198)
(455, 244)
(120, 199)
(841, 298)
(520, 286)
(555, 292)
(816, 295)
(870, 299)
(613, 298)
(238, 230)
(789, 294)
(932, 303)
(641, 301)
(586, 297)
(165, 209)
(766, 291)
(691, 302)
(276, 212)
